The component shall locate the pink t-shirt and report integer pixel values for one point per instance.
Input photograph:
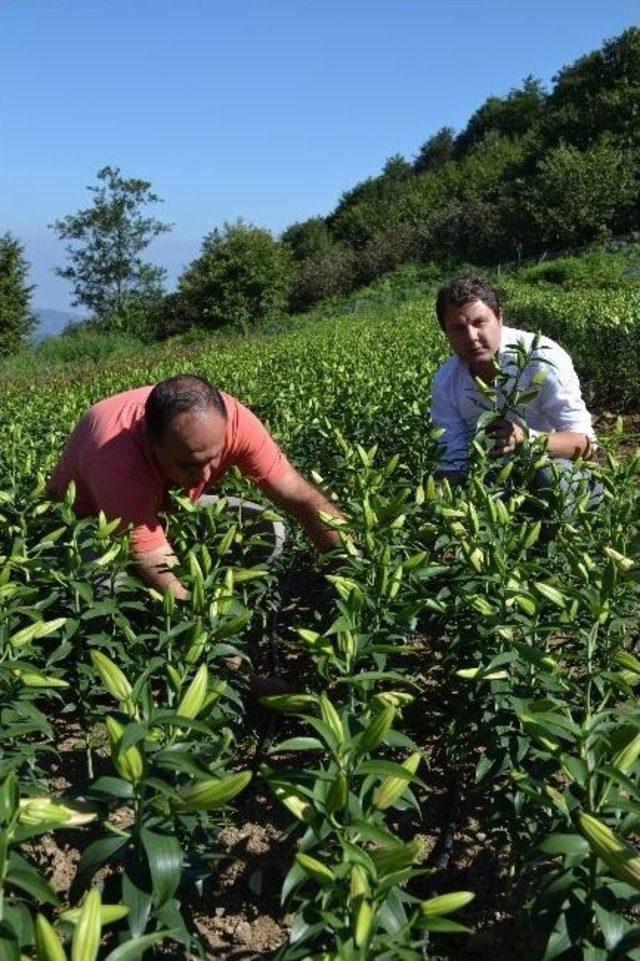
(109, 458)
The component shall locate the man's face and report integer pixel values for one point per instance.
(473, 330)
(191, 447)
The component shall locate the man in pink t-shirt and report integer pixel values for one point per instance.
(127, 449)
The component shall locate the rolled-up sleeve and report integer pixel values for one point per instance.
(561, 399)
(454, 443)
(256, 453)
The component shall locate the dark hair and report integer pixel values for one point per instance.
(184, 392)
(466, 290)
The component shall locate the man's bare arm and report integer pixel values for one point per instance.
(567, 444)
(153, 568)
(295, 495)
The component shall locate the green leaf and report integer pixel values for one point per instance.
(371, 832)
(132, 950)
(577, 769)
(444, 926)
(386, 769)
(298, 744)
(559, 942)
(136, 894)
(295, 876)
(93, 857)
(133, 732)
(106, 788)
(630, 940)
(612, 924)
(483, 767)
(565, 844)
(9, 947)
(165, 864)
(33, 883)
(392, 915)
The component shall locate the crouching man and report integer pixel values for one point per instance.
(469, 313)
(129, 448)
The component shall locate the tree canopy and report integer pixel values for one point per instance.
(17, 322)
(105, 245)
(532, 170)
(242, 276)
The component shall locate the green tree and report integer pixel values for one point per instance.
(241, 277)
(583, 195)
(468, 221)
(599, 92)
(510, 116)
(16, 319)
(325, 275)
(436, 151)
(308, 238)
(105, 244)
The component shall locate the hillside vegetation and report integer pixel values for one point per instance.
(534, 173)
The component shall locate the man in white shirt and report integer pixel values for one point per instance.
(470, 315)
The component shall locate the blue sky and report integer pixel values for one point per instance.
(261, 109)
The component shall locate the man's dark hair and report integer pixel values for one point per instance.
(184, 392)
(466, 290)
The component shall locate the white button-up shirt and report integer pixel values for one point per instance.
(456, 402)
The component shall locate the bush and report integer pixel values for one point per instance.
(388, 250)
(597, 268)
(581, 196)
(325, 275)
(241, 277)
(308, 238)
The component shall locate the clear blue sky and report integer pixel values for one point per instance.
(264, 109)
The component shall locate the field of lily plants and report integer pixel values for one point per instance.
(454, 771)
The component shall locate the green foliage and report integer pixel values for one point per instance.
(83, 344)
(309, 238)
(581, 196)
(325, 275)
(597, 93)
(602, 269)
(241, 277)
(510, 116)
(482, 624)
(106, 241)
(436, 151)
(530, 172)
(16, 319)
(599, 329)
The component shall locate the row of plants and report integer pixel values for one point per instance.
(530, 610)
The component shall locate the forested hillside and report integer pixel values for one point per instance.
(535, 170)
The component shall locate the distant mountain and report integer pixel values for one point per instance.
(52, 322)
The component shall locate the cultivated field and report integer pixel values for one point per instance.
(461, 747)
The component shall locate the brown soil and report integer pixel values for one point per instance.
(628, 440)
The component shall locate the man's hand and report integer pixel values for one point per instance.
(507, 437)
(153, 568)
(295, 495)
